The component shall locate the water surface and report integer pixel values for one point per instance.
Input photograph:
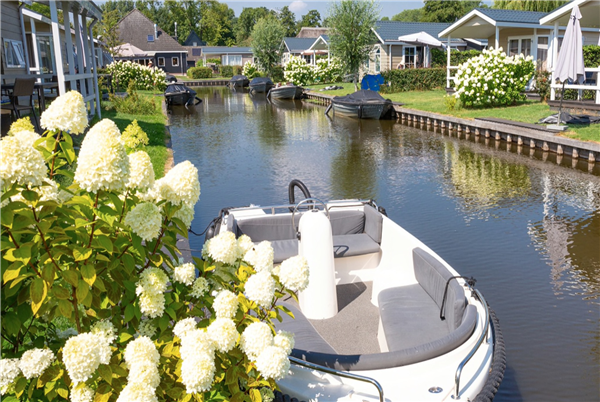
(526, 227)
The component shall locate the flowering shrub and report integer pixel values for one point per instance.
(250, 70)
(493, 79)
(146, 78)
(327, 71)
(101, 255)
(298, 72)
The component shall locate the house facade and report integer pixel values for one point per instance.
(193, 44)
(298, 47)
(159, 47)
(229, 55)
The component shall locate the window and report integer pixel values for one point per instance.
(175, 61)
(13, 52)
(542, 53)
(409, 56)
(375, 62)
(46, 54)
(518, 46)
(150, 38)
(196, 52)
(161, 61)
(231, 60)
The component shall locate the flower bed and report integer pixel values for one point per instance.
(149, 78)
(98, 250)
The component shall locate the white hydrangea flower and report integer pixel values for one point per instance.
(137, 392)
(245, 244)
(142, 358)
(35, 361)
(146, 373)
(225, 304)
(105, 329)
(141, 350)
(256, 338)
(284, 340)
(27, 137)
(261, 256)
(294, 273)
(199, 288)
(185, 273)
(81, 393)
(273, 362)
(9, 370)
(82, 354)
(141, 171)
(260, 288)
(223, 333)
(153, 279)
(186, 214)
(66, 113)
(196, 341)
(197, 372)
(180, 184)
(152, 304)
(21, 163)
(146, 329)
(183, 326)
(103, 163)
(222, 248)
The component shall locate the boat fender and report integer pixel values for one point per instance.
(319, 300)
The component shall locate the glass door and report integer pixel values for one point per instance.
(409, 56)
(46, 54)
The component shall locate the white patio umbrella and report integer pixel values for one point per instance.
(422, 38)
(569, 65)
(128, 50)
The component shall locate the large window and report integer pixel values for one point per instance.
(375, 61)
(161, 61)
(46, 54)
(518, 46)
(409, 56)
(231, 60)
(542, 53)
(13, 53)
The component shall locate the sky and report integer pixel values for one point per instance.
(300, 7)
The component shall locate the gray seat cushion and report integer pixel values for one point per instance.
(346, 222)
(356, 244)
(373, 223)
(409, 317)
(284, 249)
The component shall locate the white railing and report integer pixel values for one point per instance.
(580, 87)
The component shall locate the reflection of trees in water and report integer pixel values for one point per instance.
(482, 181)
(570, 241)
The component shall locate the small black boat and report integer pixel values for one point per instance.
(239, 81)
(261, 84)
(364, 104)
(179, 94)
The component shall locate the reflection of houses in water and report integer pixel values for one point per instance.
(481, 181)
(569, 233)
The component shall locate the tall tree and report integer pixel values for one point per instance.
(267, 38)
(246, 21)
(288, 20)
(529, 5)
(121, 6)
(310, 19)
(413, 15)
(217, 24)
(447, 10)
(108, 30)
(351, 37)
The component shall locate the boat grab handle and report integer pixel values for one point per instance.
(472, 352)
(339, 373)
(306, 200)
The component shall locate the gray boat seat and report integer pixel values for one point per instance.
(306, 336)
(354, 232)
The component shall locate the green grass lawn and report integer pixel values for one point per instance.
(153, 125)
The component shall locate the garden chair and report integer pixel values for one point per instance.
(23, 87)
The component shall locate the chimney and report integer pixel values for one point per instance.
(155, 32)
(175, 30)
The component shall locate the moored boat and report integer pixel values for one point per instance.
(239, 81)
(364, 104)
(384, 318)
(179, 94)
(283, 92)
(261, 84)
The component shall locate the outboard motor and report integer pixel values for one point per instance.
(319, 300)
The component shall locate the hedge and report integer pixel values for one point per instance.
(199, 72)
(414, 79)
(226, 71)
(439, 57)
(591, 56)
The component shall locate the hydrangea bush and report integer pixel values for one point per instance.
(97, 304)
(327, 71)
(493, 79)
(250, 70)
(298, 72)
(146, 78)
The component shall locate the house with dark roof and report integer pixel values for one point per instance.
(516, 32)
(298, 47)
(229, 55)
(193, 44)
(159, 47)
(391, 53)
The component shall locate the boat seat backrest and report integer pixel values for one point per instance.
(432, 275)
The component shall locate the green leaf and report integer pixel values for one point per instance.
(105, 372)
(24, 312)
(68, 152)
(30, 195)
(60, 292)
(71, 276)
(175, 392)
(105, 242)
(65, 308)
(12, 272)
(22, 253)
(11, 323)
(62, 391)
(80, 253)
(124, 337)
(156, 259)
(7, 217)
(99, 284)
(48, 273)
(171, 313)
(129, 312)
(20, 386)
(38, 292)
(82, 291)
(88, 272)
(255, 395)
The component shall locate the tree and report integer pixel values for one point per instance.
(267, 38)
(409, 15)
(310, 19)
(385, 19)
(246, 21)
(108, 29)
(217, 24)
(288, 20)
(529, 5)
(123, 7)
(447, 10)
(351, 37)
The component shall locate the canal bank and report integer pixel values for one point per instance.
(522, 134)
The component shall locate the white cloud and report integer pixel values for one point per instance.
(298, 6)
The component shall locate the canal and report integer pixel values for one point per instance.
(527, 229)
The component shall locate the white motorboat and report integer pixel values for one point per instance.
(384, 318)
